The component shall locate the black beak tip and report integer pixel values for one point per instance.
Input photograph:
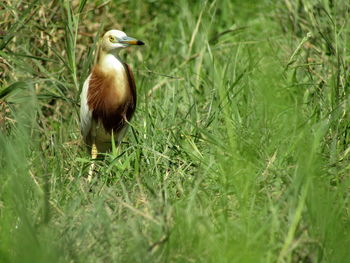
(140, 43)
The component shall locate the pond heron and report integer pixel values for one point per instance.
(108, 97)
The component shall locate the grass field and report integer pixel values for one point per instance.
(238, 152)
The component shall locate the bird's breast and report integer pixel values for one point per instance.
(110, 96)
(115, 71)
(108, 90)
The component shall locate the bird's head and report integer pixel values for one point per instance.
(113, 40)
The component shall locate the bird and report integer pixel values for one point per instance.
(108, 97)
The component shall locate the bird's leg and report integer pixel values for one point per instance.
(93, 157)
(92, 165)
(94, 152)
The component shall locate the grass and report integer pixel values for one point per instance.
(238, 151)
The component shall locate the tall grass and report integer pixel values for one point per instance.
(238, 151)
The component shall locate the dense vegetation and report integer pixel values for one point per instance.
(238, 152)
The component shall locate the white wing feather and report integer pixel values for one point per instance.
(85, 113)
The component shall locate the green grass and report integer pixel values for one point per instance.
(238, 151)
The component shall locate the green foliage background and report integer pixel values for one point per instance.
(238, 151)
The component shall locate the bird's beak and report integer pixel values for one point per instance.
(131, 41)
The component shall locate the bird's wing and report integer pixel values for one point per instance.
(85, 112)
(131, 81)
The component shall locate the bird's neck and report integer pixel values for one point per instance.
(112, 76)
(109, 62)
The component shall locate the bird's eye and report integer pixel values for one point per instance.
(111, 38)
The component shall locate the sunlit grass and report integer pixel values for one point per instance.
(238, 151)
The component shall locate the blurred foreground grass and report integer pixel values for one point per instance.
(238, 152)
